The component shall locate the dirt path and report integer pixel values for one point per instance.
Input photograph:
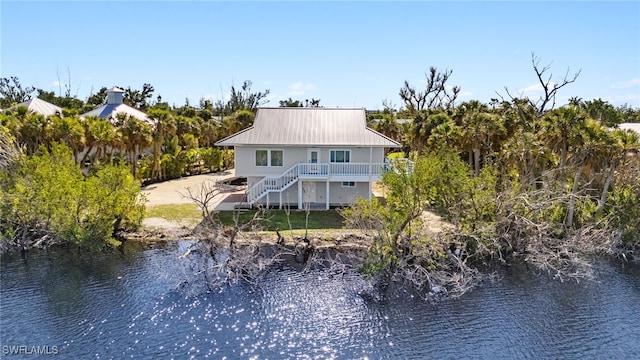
(172, 192)
(169, 192)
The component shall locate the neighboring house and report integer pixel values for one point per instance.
(115, 105)
(319, 157)
(39, 106)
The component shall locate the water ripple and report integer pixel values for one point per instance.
(125, 306)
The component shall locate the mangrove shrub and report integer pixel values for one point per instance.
(45, 199)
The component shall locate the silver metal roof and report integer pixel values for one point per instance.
(41, 107)
(309, 127)
(109, 111)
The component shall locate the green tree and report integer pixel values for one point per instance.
(481, 131)
(165, 127)
(99, 98)
(12, 92)
(45, 198)
(136, 136)
(70, 131)
(139, 98)
(244, 99)
(34, 132)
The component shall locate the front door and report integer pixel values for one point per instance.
(313, 157)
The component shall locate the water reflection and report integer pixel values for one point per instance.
(126, 305)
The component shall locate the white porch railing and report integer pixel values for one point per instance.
(279, 183)
(272, 183)
(340, 169)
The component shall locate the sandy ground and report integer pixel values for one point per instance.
(174, 191)
(171, 192)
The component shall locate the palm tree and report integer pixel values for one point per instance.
(560, 129)
(625, 142)
(136, 135)
(165, 126)
(423, 124)
(388, 126)
(593, 148)
(479, 128)
(35, 131)
(445, 136)
(70, 131)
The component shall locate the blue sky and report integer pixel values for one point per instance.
(348, 54)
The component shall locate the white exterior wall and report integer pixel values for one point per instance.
(339, 195)
(348, 195)
(245, 158)
(245, 166)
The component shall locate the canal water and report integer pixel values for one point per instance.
(130, 305)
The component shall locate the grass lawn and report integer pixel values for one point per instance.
(189, 213)
(273, 219)
(277, 219)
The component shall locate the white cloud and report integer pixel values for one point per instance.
(630, 99)
(533, 90)
(626, 84)
(56, 83)
(300, 88)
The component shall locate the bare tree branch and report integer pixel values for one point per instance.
(435, 94)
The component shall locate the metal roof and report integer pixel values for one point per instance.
(110, 111)
(309, 127)
(41, 107)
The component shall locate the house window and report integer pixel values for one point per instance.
(348, 184)
(276, 157)
(262, 157)
(340, 156)
(269, 158)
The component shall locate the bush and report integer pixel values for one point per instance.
(46, 195)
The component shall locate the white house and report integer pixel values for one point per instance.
(115, 105)
(39, 106)
(317, 156)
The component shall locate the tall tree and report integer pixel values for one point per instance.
(12, 92)
(298, 103)
(435, 94)
(99, 98)
(138, 98)
(481, 130)
(70, 131)
(165, 127)
(244, 99)
(603, 112)
(547, 100)
(136, 135)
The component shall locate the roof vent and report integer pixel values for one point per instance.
(115, 96)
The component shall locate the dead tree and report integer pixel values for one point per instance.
(435, 95)
(547, 100)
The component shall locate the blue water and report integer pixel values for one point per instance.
(130, 305)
